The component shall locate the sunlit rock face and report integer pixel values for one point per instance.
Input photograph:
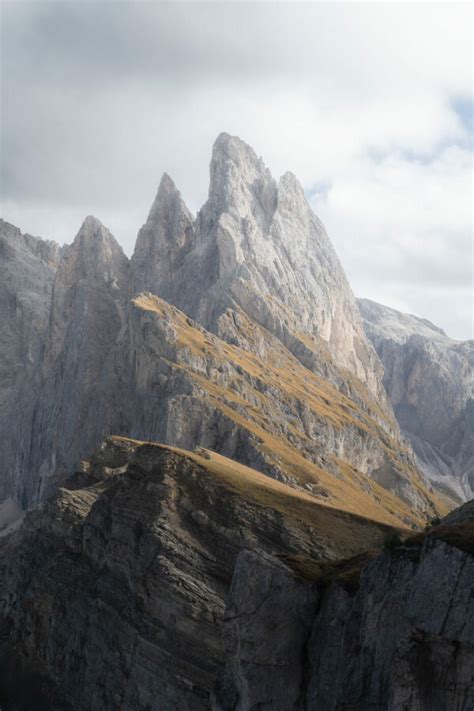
(255, 245)
(429, 378)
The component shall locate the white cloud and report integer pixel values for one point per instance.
(357, 100)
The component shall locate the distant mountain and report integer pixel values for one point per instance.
(236, 331)
(430, 382)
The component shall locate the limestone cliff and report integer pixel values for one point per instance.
(429, 378)
(255, 246)
(391, 634)
(27, 269)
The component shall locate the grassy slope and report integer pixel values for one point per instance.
(344, 532)
(350, 489)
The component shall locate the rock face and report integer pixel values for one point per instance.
(430, 381)
(404, 640)
(255, 246)
(113, 592)
(27, 268)
(82, 392)
(266, 362)
(164, 579)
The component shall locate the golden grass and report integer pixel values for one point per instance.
(295, 384)
(344, 531)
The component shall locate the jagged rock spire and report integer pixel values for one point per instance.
(255, 245)
(95, 255)
(163, 241)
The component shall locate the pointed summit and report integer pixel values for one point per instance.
(95, 255)
(163, 241)
(167, 198)
(238, 177)
(93, 235)
(256, 246)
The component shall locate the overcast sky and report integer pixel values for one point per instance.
(370, 105)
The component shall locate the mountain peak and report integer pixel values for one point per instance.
(164, 239)
(167, 197)
(94, 252)
(92, 232)
(232, 150)
(240, 183)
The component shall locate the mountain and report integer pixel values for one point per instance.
(206, 501)
(160, 578)
(257, 247)
(429, 378)
(236, 331)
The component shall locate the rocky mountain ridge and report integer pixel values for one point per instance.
(429, 378)
(255, 245)
(159, 578)
(256, 351)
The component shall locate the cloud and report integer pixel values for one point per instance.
(369, 104)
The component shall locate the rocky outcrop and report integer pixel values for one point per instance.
(189, 387)
(81, 393)
(163, 243)
(255, 246)
(164, 579)
(403, 640)
(112, 593)
(430, 381)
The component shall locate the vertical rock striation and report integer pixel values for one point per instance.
(27, 270)
(255, 246)
(430, 381)
(82, 394)
(403, 640)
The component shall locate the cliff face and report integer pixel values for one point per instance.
(151, 582)
(255, 246)
(430, 382)
(27, 269)
(256, 350)
(403, 640)
(113, 592)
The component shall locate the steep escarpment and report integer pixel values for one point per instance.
(430, 381)
(113, 592)
(390, 634)
(27, 269)
(160, 578)
(81, 392)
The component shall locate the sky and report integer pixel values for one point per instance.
(370, 105)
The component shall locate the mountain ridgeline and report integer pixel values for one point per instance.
(235, 331)
(224, 514)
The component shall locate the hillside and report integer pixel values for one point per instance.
(146, 580)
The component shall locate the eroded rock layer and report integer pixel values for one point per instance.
(391, 634)
(429, 378)
(164, 579)
(113, 592)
